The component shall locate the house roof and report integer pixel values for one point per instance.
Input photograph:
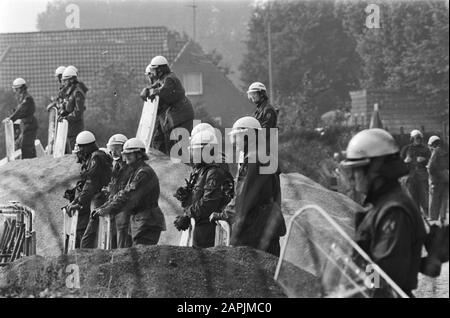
(35, 55)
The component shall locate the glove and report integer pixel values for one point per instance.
(69, 194)
(182, 222)
(408, 159)
(145, 94)
(5, 120)
(95, 214)
(154, 92)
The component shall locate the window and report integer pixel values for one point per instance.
(193, 84)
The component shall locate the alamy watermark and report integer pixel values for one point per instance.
(73, 18)
(373, 16)
(260, 146)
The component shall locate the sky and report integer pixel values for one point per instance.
(21, 15)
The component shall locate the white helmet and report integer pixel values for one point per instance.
(133, 145)
(158, 61)
(244, 124)
(117, 139)
(369, 143)
(85, 137)
(74, 68)
(432, 140)
(202, 127)
(256, 87)
(202, 138)
(60, 70)
(69, 72)
(18, 82)
(416, 133)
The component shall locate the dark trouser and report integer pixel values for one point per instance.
(70, 144)
(161, 140)
(274, 247)
(438, 201)
(142, 232)
(123, 237)
(204, 235)
(28, 148)
(418, 189)
(89, 237)
(79, 234)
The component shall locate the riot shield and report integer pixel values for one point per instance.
(317, 245)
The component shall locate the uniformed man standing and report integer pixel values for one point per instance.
(439, 181)
(255, 212)
(139, 196)
(174, 109)
(416, 156)
(391, 230)
(95, 174)
(119, 177)
(25, 112)
(210, 190)
(73, 105)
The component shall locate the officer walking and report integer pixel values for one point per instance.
(95, 174)
(174, 109)
(139, 197)
(25, 112)
(210, 188)
(73, 105)
(255, 212)
(391, 230)
(416, 156)
(439, 181)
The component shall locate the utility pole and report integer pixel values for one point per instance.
(269, 49)
(194, 27)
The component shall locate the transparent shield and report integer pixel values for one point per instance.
(319, 259)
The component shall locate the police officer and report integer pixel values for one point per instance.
(73, 105)
(391, 231)
(119, 178)
(139, 196)
(25, 112)
(255, 212)
(264, 113)
(210, 188)
(95, 174)
(416, 156)
(174, 109)
(439, 181)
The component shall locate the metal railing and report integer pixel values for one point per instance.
(18, 238)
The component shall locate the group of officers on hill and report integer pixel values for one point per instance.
(118, 182)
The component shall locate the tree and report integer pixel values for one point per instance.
(311, 53)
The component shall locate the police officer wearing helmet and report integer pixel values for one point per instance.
(25, 112)
(210, 188)
(264, 113)
(438, 179)
(138, 196)
(95, 174)
(174, 109)
(119, 177)
(390, 230)
(416, 156)
(73, 106)
(255, 212)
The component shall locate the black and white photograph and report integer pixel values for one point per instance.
(224, 155)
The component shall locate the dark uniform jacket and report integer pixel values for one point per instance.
(73, 107)
(95, 174)
(119, 177)
(25, 111)
(392, 234)
(266, 114)
(255, 212)
(139, 196)
(207, 194)
(438, 166)
(416, 168)
(173, 103)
